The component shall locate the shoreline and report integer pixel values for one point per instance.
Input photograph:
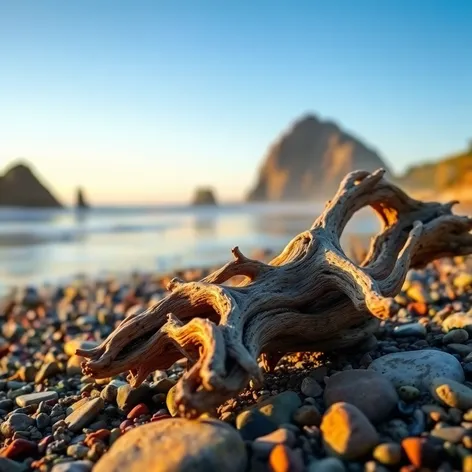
(53, 418)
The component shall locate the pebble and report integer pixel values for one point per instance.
(421, 452)
(8, 465)
(71, 346)
(278, 409)
(453, 434)
(74, 466)
(74, 365)
(253, 424)
(170, 401)
(16, 422)
(388, 453)
(199, 446)
(268, 442)
(347, 432)
(408, 393)
(410, 329)
(463, 280)
(368, 390)
(137, 411)
(307, 415)
(458, 336)
(456, 321)
(451, 393)
(418, 368)
(85, 414)
(281, 460)
(46, 371)
(330, 464)
(36, 398)
(310, 387)
(128, 397)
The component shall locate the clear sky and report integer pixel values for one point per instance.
(142, 100)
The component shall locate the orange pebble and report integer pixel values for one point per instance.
(138, 411)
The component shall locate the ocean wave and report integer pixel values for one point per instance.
(18, 236)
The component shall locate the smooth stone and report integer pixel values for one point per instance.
(278, 409)
(410, 329)
(463, 280)
(71, 346)
(163, 385)
(253, 424)
(366, 389)
(388, 453)
(74, 365)
(457, 336)
(310, 387)
(457, 320)
(347, 432)
(408, 393)
(452, 434)
(170, 401)
(307, 415)
(281, 436)
(85, 414)
(462, 349)
(109, 393)
(16, 422)
(451, 393)
(177, 445)
(330, 464)
(421, 452)
(35, 398)
(74, 466)
(128, 397)
(418, 368)
(9, 465)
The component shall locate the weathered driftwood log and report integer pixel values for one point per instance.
(311, 297)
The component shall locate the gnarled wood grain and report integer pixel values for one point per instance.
(310, 297)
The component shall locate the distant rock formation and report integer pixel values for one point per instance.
(19, 187)
(447, 178)
(204, 196)
(80, 201)
(310, 160)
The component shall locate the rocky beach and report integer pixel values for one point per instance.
(401, 401)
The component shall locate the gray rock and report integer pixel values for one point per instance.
(35, 398)
(47, 370)
(453, 434)
(16, 422)
(7, 465)
(418, 368)
(177, 445)
(410, 329)
(457, 336)
(74, 466)
(85, 414)
(311, 388)
(368, 390)
(170, 401)
(330, 464)
(456, 321)
(128, 397)
(278, 409)
(451, 393)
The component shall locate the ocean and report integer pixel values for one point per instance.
(53, 246)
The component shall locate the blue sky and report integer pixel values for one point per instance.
(141, 101)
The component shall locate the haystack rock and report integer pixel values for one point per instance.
(204, 196)
(19, 187)
(310, 160)
(81, 201)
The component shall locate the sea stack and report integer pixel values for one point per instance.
(81, 201)
(309, 160)
(204, 196)
(20, 187)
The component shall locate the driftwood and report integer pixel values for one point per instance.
(311, 297)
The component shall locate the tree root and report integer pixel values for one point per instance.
(311, 297)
